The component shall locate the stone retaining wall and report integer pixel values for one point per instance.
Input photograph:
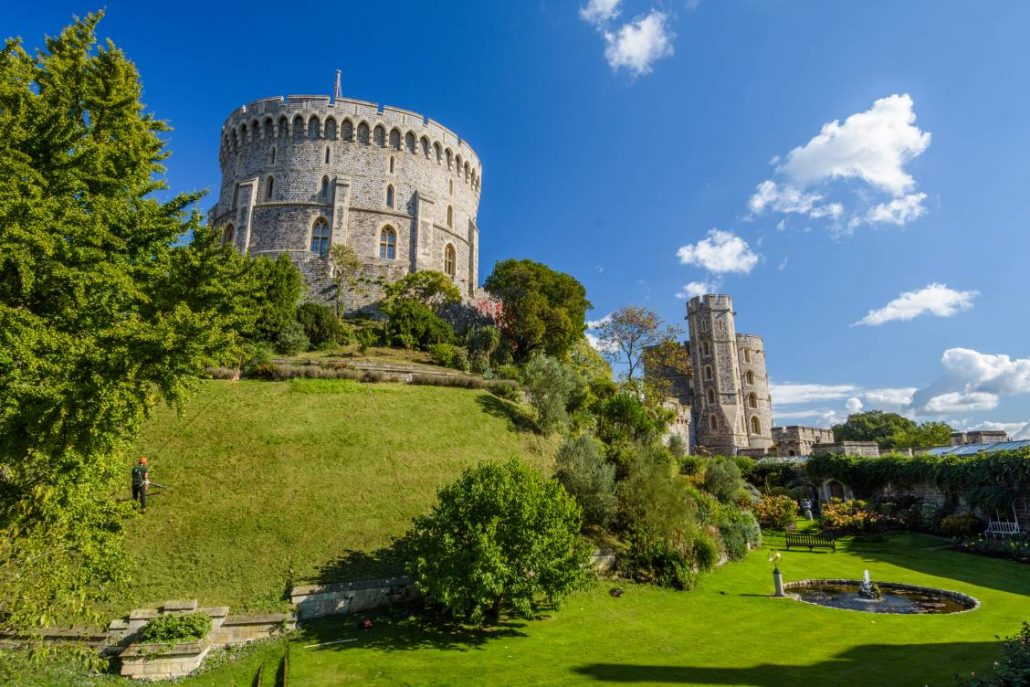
(315, 601)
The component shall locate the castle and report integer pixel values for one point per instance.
(302, 173)
(723, 404)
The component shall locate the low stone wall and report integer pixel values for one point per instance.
(162, 662)
(964, 599)
(315, 601)
(240, 629)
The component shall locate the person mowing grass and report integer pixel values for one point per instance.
(141, 482)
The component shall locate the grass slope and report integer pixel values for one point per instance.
(271, 477)
(728, 632)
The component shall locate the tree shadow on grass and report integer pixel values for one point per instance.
(352, 565)
(517, 418)
(867, 665)
(401, 628)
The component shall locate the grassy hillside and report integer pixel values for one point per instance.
(274, 484)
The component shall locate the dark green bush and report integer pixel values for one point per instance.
(506, 389)
(739, 531)
(173, 629)
(449, 355)
(321, 325)
(961, 525)
(722, 478)
(291, 339)
(414, 325)
(1013, 670)
(692, 465)
(590, 479)
(653, 559)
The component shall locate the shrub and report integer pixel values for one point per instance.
(854, 517)
(479, 363)
(652, 559)
(677, 446)
(1013, 670)
(552, 388)
(291, 339)
(173, 629)
(484, 340)
(583, 470)
(776, 512)
(414, 325)
(505, 389)
(321, 325)
(961, 525)
(739, 531)
(722, 478)
(499, 538)
(508, 372)
(449, 355)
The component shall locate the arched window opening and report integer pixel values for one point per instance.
(327, 155)
(324, 193)
(409, 142)
(708, 373)
(330, 128)
(706, 348)
(228, 234)
(363, 133)
(450, 159)
(749, 377)
(449, 260)
(450, 216)
(320, 237)
(752, 401)
(710, 395)
(379, 136)
(713, 422)
(298, 128)
(283, 130)
(268, 188)
(756, 425)
(791, 452)
(439, 153)
(425, 147)
(466, 172)
(389, 196)
(388, 244)
(269, 131)
(395, 139)
(314, 128)
(347, 130)
(271, 156)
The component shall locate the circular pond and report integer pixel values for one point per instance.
(893, 597)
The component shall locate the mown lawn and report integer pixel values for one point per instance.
(281, 483)
(728, 632)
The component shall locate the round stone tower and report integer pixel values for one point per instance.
(731, 406)
(302, 173)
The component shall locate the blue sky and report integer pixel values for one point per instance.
(837, 167)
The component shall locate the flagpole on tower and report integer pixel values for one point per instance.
(338, 92)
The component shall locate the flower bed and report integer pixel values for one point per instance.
(1013, 548)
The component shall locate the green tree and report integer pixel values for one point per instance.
(583, 471)
(543, 310)
(874, 425)
(430, 288)
(414, 325)
(94, 325)
(926, 435)
(722, 478)
(499, 539)
(321, 325)
(280, 286)
(627, 333)
(347, 276)
(554, 389)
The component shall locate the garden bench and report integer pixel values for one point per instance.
(812, 541)
(1002, 528)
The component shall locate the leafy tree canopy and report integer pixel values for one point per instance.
(101, 314)
(499, 539)
(543, 310)
(627, 333)
(874, 425)
(428, 287)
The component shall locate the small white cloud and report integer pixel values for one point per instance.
(720, 253)
(790, 393)
(936, 299)
(961, 402)
(599, 12)
(595, 324)
(638, 44)
(783, 265)
(696, 288)
(889, 398)
(853, 404)
(873, 146)
(899, 211)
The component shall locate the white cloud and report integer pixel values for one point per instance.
(599, 12)
(594, 324)
(899, 211)
(961, 402)
(1016, 430)
(638, 44)
(786, 199)
(997, 374)
(889, 397)
(720, 253)
(936, 299)
(696, 288)
(853, 405)
(790, 393)
(872, 146)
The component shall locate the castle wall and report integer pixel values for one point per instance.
(797, 440)
(288, 163)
